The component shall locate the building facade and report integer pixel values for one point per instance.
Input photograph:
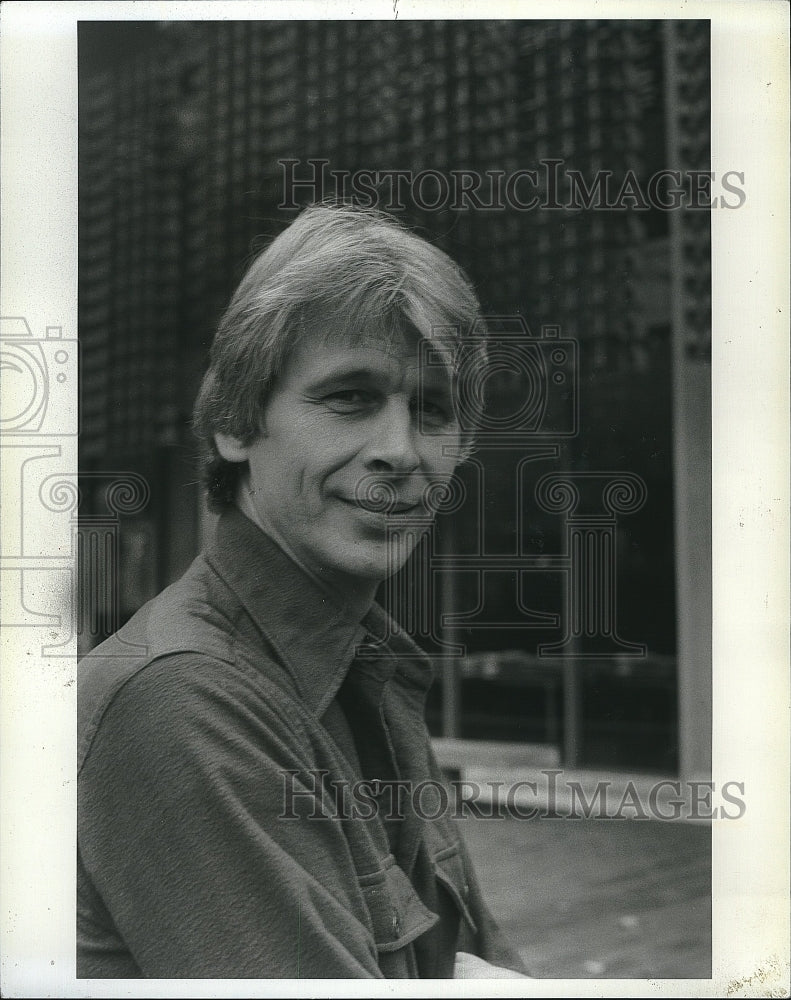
(564, 165)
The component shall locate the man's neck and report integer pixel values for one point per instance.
(354, 595)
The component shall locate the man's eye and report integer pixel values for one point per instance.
(349, 400)
(435, 414)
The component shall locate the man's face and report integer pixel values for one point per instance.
(343, 418)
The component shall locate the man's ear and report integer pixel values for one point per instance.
(231, 448)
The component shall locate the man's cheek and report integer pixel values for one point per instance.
(433, 458)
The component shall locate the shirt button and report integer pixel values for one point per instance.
(396, 923)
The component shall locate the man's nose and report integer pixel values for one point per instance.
(392, 446)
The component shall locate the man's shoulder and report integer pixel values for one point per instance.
(189, 615)
(194, 634)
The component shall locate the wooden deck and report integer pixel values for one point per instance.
(599, 898)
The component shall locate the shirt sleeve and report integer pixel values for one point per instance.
(183, 836)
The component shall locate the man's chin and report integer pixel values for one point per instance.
(376, 561)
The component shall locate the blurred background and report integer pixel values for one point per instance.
(182, 127)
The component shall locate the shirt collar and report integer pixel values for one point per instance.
(315, 636)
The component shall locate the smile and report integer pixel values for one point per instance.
(391, 511)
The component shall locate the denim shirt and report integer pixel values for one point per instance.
(215, 730)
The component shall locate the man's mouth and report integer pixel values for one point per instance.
(385, 510)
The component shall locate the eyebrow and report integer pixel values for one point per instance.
(432, 381)
(362, 374)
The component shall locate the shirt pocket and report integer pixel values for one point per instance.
(397, 914)
(449, 870)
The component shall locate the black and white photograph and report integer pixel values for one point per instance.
(395, 474)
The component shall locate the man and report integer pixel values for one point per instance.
(220, 726)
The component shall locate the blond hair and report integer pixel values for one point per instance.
(334, 262)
